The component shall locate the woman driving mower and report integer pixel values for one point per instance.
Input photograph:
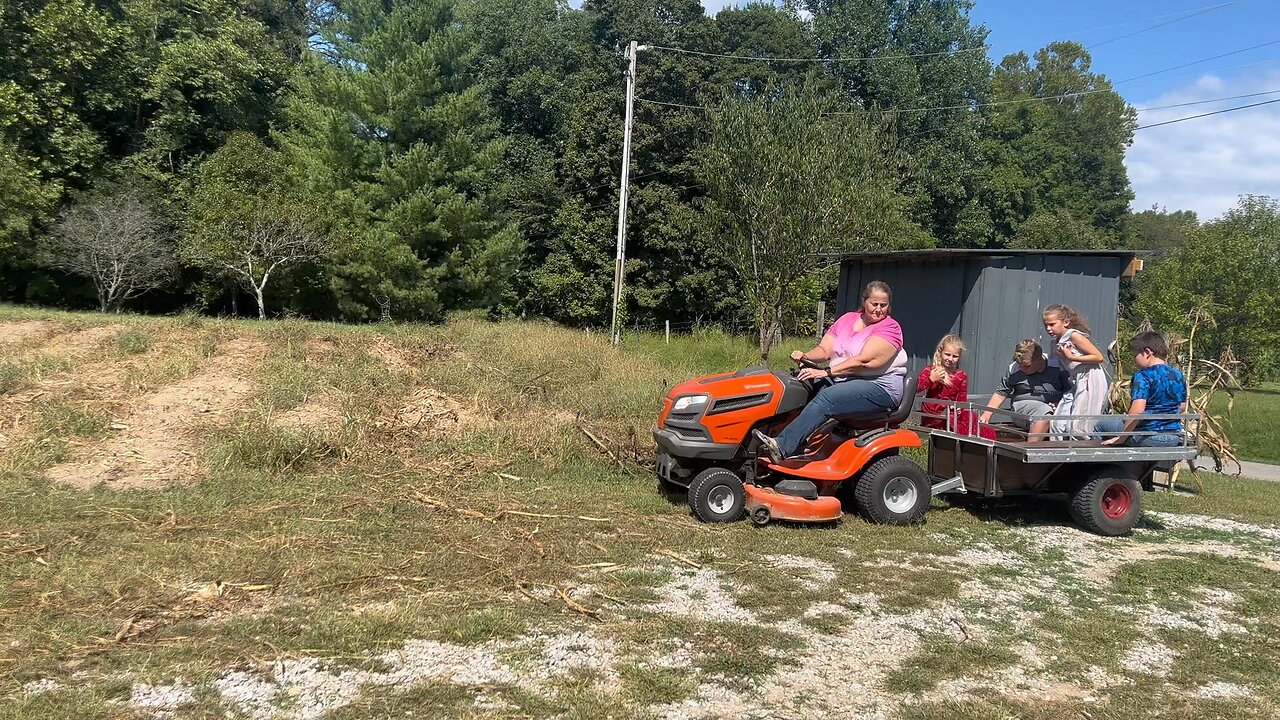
(865, 373)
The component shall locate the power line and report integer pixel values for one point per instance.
(1032, 99)
(1197, 62)
(1201, 115)
(1201, 11)
(763, 58)
(1206, 102)
(1185, 15)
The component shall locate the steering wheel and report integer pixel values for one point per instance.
(807, 363)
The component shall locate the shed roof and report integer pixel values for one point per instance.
(958, 253)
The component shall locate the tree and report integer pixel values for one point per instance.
(789, 181)
(390, 127)
(900, 56)
(116, 241)
(245, 221)
(1230, 267)
(1059, 156)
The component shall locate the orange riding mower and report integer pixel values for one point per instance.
(705, 446)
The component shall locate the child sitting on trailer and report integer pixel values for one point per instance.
(945, 380)
(1157, 388)
(1035, 388)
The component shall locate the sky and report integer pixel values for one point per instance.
(1202, 165)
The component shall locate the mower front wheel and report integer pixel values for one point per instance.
(893, 491)
(717, 496)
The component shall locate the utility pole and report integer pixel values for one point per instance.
(620, 260)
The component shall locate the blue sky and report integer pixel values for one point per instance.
(1201, 165)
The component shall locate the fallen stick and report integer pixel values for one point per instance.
(575, 606)
(677, 556)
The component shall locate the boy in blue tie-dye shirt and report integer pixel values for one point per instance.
(1157, 389)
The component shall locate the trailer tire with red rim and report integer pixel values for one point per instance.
(1108, 503)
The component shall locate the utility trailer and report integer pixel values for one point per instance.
(1103, 483)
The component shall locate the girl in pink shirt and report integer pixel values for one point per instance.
(866, 369)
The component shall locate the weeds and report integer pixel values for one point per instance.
(133, 340)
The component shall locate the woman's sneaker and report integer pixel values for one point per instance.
(770, 446)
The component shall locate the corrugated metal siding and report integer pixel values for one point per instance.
(991, 301)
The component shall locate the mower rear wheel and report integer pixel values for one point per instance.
(1108, 503)
(717, 496)
(893, 491)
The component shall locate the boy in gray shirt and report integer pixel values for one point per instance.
(1035, 388)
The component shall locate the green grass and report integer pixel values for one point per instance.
(1251, 427)
(345, 541)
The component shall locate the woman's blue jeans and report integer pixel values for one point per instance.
(1115, 426)
(851, 397)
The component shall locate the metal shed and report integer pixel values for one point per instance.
(990, 298)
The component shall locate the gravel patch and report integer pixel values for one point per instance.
(700, 594)
(1149, 658)
(40, 687)
(813, 574)
(162, 699)
(1203, 522)
(309, 688)
(1221, 690)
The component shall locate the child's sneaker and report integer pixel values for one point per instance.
(770, 446)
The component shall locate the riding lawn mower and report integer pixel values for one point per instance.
(706, 447)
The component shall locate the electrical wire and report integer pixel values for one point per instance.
(1206, 102)
(1185, 15)
(1202, 115)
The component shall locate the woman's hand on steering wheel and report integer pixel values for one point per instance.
(812, 372)
(798, 358)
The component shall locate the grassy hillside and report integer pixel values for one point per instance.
(287, 519)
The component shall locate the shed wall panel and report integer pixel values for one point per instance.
(991, 301)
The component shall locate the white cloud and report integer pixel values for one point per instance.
(1207, 163)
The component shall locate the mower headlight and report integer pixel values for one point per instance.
(690, 402)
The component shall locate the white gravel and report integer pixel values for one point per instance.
(162, 699)
(813, 574)
(40, 687)
(700, 594)
(1204, 522)
(1149, 658)
(1219, 690)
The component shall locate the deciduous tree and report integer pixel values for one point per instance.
(791, 181)
(117, 241)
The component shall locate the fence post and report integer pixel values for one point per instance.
(822, 311)
(668, 332)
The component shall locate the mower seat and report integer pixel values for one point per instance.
(884, 418)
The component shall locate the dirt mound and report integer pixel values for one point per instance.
(156, 443)
(21, 331)
(79, 342)
(429, 409)
(314, 414)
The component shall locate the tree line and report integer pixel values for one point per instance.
(342, 160)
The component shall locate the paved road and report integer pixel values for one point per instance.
(1259, 471)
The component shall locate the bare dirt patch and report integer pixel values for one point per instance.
(17, 332)
(156, 443)
(428, 409)
(80, 342)
(315, 414)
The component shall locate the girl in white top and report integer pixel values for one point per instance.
(1083, 360)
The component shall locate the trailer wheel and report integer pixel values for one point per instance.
(893, 491)
(717, 496)
(1108, 503)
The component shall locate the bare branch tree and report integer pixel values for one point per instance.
(116, 241)
(253, 250)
